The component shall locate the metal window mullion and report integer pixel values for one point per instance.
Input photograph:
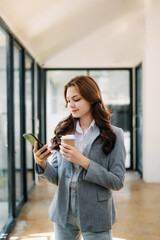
(10, 116)
(23, 123)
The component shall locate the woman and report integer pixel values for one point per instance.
(86, 174)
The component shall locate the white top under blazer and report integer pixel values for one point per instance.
(81, 140)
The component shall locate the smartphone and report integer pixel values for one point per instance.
(31, 138)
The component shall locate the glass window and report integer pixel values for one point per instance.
(17, 137)
(28, 107)
(3, 133)
(115, 89)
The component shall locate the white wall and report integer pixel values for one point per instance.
(151, 93)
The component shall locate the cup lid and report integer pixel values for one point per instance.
(68, 137)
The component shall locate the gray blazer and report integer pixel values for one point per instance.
(105, 173)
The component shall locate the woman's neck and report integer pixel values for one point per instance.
(85, 123)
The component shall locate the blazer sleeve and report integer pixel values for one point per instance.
(113, 177)
(51, 171)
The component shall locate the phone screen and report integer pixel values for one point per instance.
(31, 138)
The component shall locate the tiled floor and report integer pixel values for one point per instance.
(137, 204)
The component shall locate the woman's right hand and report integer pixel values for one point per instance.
(41, 157)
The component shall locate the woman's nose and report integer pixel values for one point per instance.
(72, 104)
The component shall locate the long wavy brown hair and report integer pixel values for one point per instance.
(89, 90)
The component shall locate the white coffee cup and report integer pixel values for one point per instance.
(68, 139)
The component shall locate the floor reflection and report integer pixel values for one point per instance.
(45, 236)
(36, 236)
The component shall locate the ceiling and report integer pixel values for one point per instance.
(55, 31)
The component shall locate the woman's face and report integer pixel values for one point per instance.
(76, 104)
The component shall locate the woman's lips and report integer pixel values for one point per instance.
(73, 111)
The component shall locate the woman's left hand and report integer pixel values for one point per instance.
(74, 155)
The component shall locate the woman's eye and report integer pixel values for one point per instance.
(75, 100)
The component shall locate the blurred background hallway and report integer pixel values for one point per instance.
(45, 43)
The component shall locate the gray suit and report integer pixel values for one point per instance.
(105, 173)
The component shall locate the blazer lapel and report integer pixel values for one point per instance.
(94, 135)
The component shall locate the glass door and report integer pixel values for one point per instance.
(115, 88)
(17, 124)
(4, 205)
(139, 163)
(29, 120)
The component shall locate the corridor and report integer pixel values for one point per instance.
(138, 212)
